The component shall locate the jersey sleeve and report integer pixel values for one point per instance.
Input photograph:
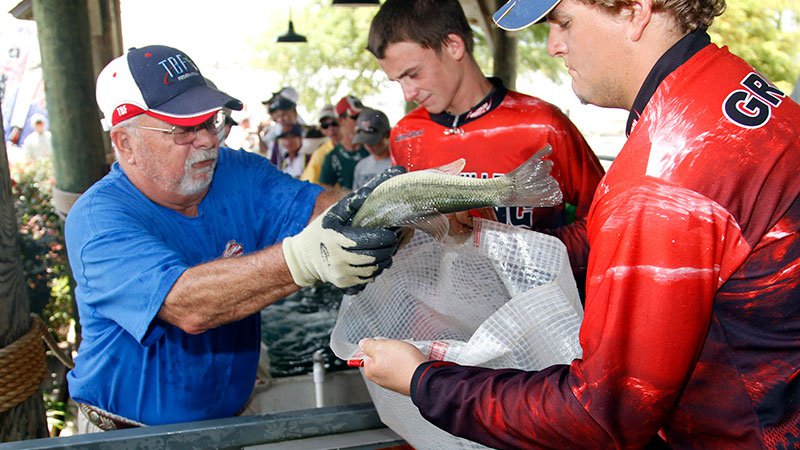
(653, 274)
(579, 172)
(397, 157)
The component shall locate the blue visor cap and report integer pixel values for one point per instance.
(518, 14)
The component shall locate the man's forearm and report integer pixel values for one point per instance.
(227, 290)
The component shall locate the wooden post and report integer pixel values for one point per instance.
(67, 69)
(504, 53)
(26, 420)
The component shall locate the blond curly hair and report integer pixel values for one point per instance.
(689, 14)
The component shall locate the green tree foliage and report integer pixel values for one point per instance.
(766, 33)
(334, 62)
(531, 52)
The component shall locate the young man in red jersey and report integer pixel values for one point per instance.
(426, 46)
(691, 332)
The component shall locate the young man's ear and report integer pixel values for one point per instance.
(639, 13)
(455, 46)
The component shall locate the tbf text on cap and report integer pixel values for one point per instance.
(518, 14)
(162, 82)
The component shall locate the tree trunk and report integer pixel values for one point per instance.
(26, 420)
(69, 85)
(504, 54)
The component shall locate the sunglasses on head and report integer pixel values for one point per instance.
(332, 123)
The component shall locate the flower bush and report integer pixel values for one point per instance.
(45, 268)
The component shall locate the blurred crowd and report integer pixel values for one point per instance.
(343, 148)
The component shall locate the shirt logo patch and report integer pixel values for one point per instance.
(481, 110)
(409, 135)
(232, 249)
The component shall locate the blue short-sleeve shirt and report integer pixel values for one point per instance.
(126, 252)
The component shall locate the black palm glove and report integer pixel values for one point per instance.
(330, 250)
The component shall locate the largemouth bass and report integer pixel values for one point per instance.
(420, 199)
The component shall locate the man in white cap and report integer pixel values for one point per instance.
(180, 246)
(691, 331)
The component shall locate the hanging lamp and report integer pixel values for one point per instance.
(290, 36)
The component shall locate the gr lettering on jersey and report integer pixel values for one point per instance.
(751, 107)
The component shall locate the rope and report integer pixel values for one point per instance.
(23, 366)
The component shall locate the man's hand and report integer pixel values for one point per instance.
(390, 363)
(330, 250)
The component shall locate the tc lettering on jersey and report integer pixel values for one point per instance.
(752, 107)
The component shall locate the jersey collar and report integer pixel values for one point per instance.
(489, 103)
(684, 49)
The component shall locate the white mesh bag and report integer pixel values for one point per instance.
(504, 299)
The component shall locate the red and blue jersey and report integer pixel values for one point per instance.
(494, 137)
(691, 332)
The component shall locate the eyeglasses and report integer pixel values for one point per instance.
(326, 125)
(186, 135)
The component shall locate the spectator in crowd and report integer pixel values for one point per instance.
(426, 46)
(691, 331)
(372, 131)
(38, 144)
(172, 269)
(337, 168)
(292, 162)
(329, 124)
(241, 135)
(282, 109)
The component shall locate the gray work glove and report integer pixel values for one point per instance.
(330, 250)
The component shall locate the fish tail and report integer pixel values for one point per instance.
(531, 184)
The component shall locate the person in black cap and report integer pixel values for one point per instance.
(372, 130)
(691, 330)
(282, 109)
(179, 247)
